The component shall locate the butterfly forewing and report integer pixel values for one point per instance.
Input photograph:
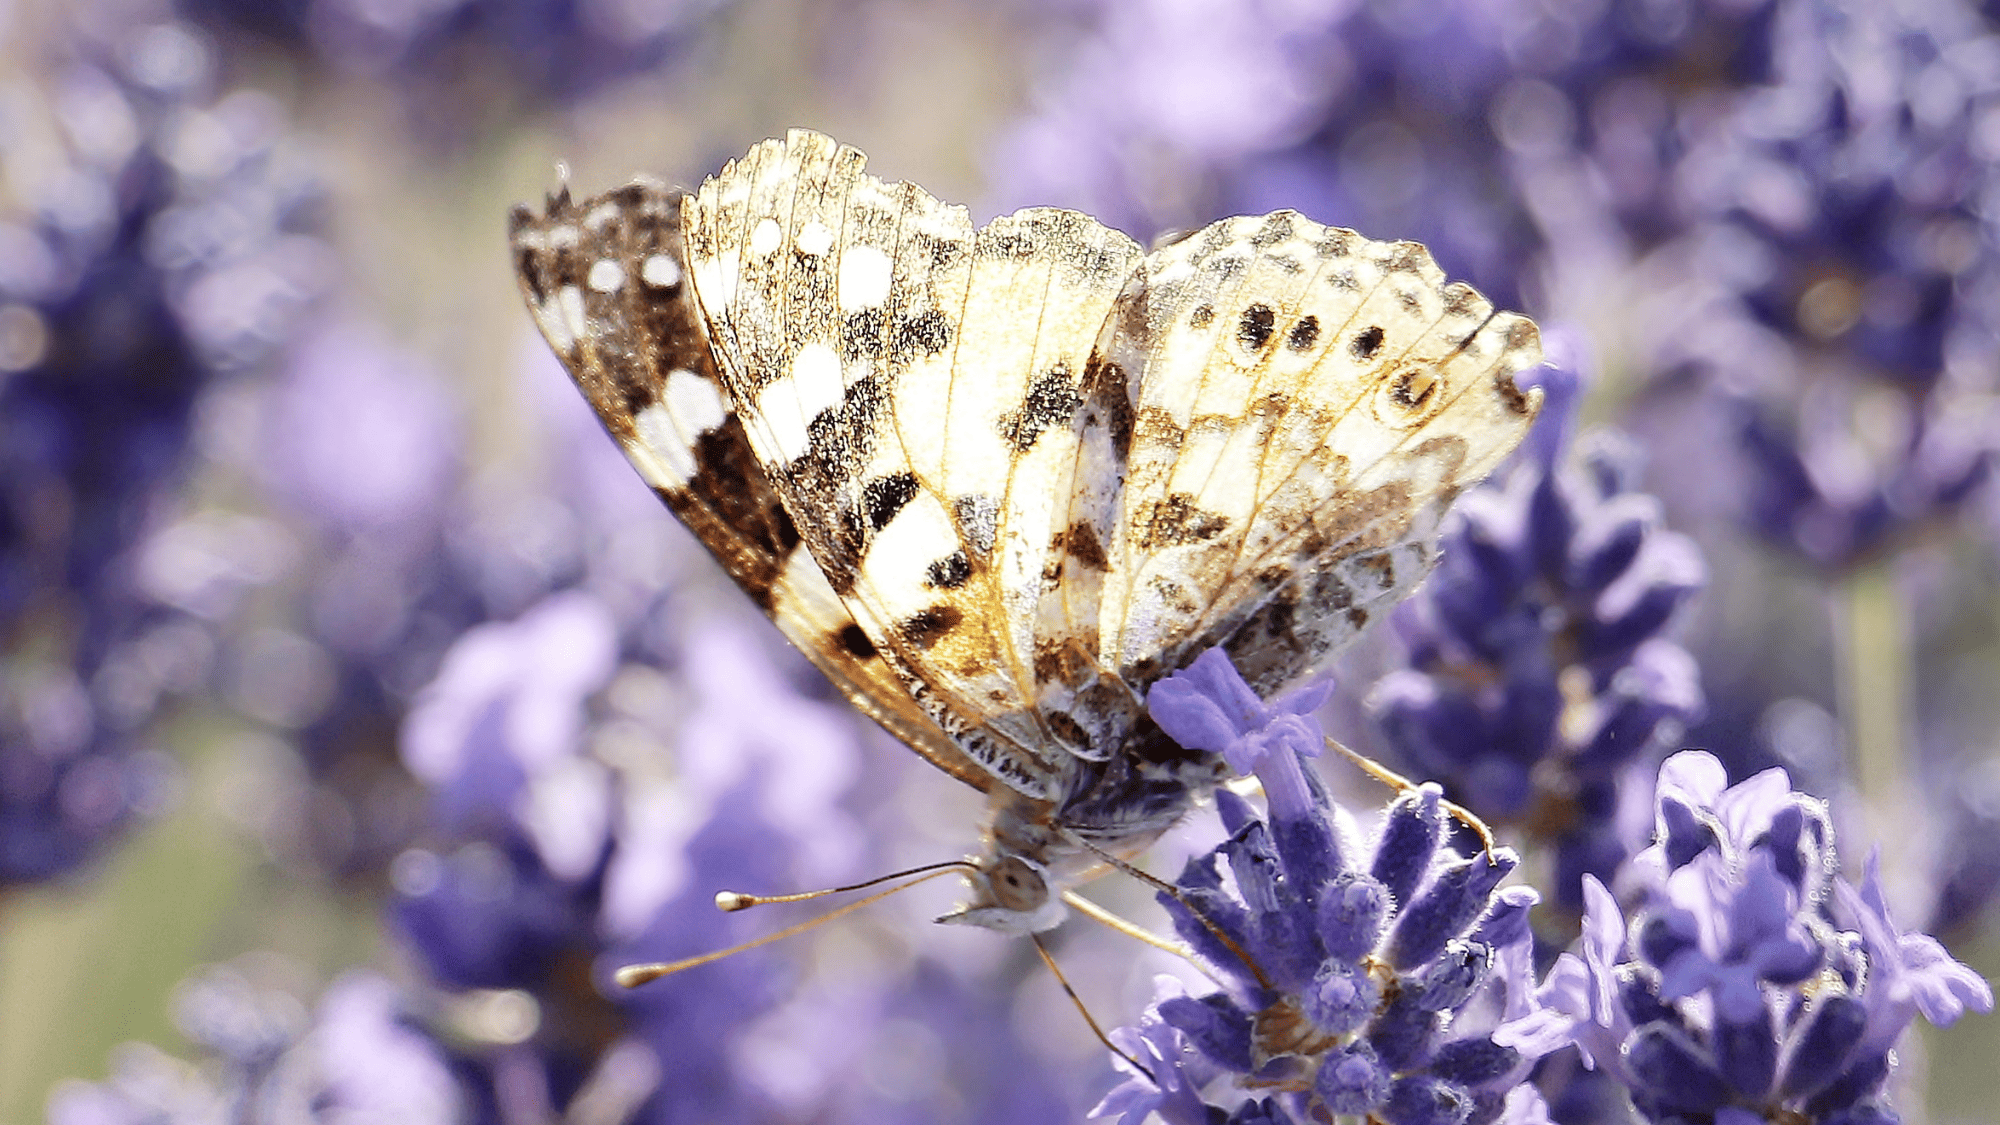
(606, 281)
(936, 481)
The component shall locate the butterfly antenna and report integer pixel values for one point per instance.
(632, 976)
(1085, 1012)
(1166, 888)
(733, 901)
(1402, 784)
(1133, 930)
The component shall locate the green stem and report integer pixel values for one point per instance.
(1875, 666)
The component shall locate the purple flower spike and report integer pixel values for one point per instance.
(1539, 666)
(1376, 989)
(1727, 995)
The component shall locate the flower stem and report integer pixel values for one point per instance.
(1874, 657)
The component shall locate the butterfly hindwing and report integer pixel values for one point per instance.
(606, 280)
(1309, 402)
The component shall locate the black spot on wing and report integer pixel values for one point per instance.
(1079, 542)
(925, 628)
(943, 252)
(1109, 396)
(1303, 334)
(855, 642)
(528, 267)
(1277, 228)
(1335, 244)
(1254, 330)
(839, 442)
(949, 572)
(883, 497)
(1367, 342)
(1511, 395)
(1413, 388)
(785, 531)
(1052, 400)
(1202, 316)
(1175, 521)
(929, 332)
(862, 336)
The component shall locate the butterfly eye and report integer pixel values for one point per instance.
(1016, 886)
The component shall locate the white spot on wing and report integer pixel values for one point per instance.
(564, 237)
(900, 553)
(766, 237)
(660, 271)
(663, 455)
(716, 280)
(864, 278)
(569, 310)
(600, 215)
(815, 239)
(560, 337)
(694, 401)
(794, 399)
(606, 276)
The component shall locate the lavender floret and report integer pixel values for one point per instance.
(1371, 989)
(1750, 977)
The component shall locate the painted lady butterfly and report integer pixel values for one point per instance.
(997, 482)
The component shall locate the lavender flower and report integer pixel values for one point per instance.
(1486, 130)
(1359, 980)
(562, 49)
(1732, 991)
(165, 237)
(265, 1059)
(547, 870)
(1538, 669)
(1848, 210)
(565, 843)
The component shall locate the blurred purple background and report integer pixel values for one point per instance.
(360, 709)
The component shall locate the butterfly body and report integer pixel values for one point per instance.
(996, 482)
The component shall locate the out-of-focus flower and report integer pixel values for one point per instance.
(1539, 669)
(1440, 123)
(556, 855)
(1732, 991)
(164, 236)
(1849, 216)
(1357, 978)
(359, 1056)
(586, 806)
(565, 49)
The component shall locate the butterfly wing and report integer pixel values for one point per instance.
(994, 482)
(606, 281)
(913, 388)
(1308, 402)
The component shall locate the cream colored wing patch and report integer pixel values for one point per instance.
(1308, 401)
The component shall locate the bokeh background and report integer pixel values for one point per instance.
(359, 708)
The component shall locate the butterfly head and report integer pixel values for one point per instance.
(1011, 894)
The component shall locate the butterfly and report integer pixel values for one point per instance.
(997, 482)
